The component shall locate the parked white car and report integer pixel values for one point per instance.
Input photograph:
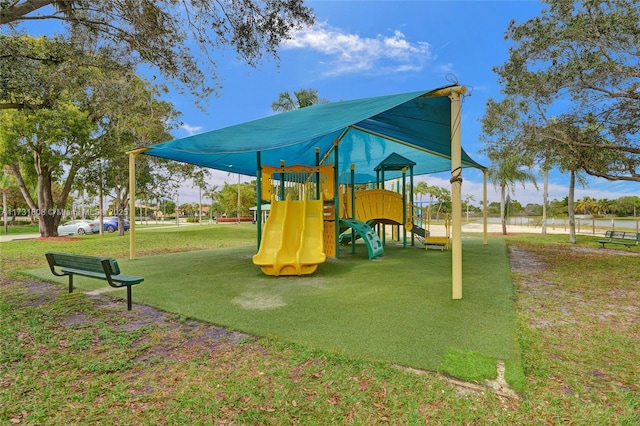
(78, 227)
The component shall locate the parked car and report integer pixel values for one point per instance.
(78, 227)
(110, 224)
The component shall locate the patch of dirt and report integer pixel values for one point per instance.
(178, 340)
(57, 239)
(601, 250)
(523, 261)
(40, 292)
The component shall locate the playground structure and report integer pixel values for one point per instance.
(302, 229)
(423, 125)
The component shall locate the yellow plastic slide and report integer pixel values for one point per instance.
(292, 240)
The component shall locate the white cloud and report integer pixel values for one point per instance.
(351, 53)
(445, 69)
(191, 130)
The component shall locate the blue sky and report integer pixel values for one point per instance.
(359, 49)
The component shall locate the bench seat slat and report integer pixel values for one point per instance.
(617, 242)
(624, 238)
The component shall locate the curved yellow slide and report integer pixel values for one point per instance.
(292, 240)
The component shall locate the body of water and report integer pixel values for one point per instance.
(583, 223)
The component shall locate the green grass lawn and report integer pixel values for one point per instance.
(564, 319)
(21, 229)
(396, 309)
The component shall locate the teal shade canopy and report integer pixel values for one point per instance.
(414, 125)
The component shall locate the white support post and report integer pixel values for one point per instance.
(456, 193)
(132, 200)
(132, 205)
(485, 239)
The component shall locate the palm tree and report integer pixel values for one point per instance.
(508, 169)
(443, 196)
(300, 99)
(546, 166)
(421, 189)
(467, 200)
(199, 177)
(603, 206)
(213, 194)
(507, 147)
(585, 205)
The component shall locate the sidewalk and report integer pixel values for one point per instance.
(496, 228)
(435, 230)
(11, 237)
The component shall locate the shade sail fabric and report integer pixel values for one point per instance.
(415, 125)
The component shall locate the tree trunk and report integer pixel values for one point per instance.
(545, 200)
(120, 220)
(48, 215)
(4, 212)
(503, 205)
(572, 215)
(44, 208)
(121, 202)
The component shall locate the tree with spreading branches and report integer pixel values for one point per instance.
(99, 115)
(580, 59)
(163, 33)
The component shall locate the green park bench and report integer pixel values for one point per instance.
(103, 268)
(621, 237)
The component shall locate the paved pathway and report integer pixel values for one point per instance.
(436, 230)
(12, 237)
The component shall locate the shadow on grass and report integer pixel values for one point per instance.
(396, 308)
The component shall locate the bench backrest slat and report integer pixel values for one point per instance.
(623, 235)
(87, 263)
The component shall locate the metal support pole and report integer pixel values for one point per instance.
(485, 239)
(336, 196)
(259, 197)
(282, 197)
(132, 205)
(382, 228)
(404, 207)
(318, 183)
(353, 207)
(412, 213)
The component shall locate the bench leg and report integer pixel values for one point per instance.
(70, 283)
(128, 297)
